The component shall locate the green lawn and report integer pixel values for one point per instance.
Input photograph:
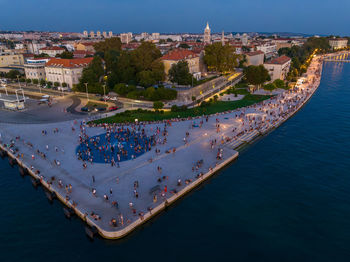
(212, 108)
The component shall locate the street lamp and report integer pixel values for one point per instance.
(87, 93)
(19, 85)
(104, 92)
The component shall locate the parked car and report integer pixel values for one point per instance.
(85, 109)
(60, 88)
(100, 109)
(113, 108)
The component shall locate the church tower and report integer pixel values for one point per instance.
(223, 38)
(207, 37)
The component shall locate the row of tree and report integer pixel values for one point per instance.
(300, 54)
(112, 65)
(150, 93)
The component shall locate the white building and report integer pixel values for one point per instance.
(34, 47)
(67, 71)
(104, 34)
(126, 38)
(110, 34)
(278, 68)
(98, 34)
(270, 50)
(255, 58)
(52, 50)
(155, 36)
(35, 68)
(144, 35)
(175, 38)
(244, 39)
(207, 36)
(92, 34)
(338, 43)
(19, 46)
(86, 34)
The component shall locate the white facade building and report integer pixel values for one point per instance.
(270, 50)
(126, 38)
(35, 68)
(278, 68)
(338, 43)
(67, 71)
(52, 50)
(155, 36)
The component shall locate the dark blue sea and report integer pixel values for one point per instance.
(286, 198)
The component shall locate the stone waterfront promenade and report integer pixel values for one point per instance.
(117, 196)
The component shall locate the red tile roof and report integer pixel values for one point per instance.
(57, 48)
(279, 60)
(69, 63)
(179, 54)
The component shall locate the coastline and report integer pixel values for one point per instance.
(247, 138)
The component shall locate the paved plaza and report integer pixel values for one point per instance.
(115, 194)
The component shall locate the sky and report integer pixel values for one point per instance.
(164, 16)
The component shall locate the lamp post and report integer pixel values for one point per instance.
(87, 93)
(19, 85)
(104, 92)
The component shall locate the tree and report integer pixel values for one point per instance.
(42, 82)
(113, 43)
(41, 55)
(184, 45)
(35, 81)
(145, 55)
(245, 49)
(56, 84)
(279, 83)
(65, 55)
(64, 84)
(146, 78)
(256, 75)
(158, 105)
(180, 73)
(92, 75)
(28, 80)
(220, 57)
(270, 87)
(12, 74)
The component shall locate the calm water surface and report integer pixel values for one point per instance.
(287, 198)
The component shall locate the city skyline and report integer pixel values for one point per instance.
(176, 17)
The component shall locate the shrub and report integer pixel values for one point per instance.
(269, 87)
(204, 104)
(279, 83)
(183, 108)
(158, 105)
(174, 108)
